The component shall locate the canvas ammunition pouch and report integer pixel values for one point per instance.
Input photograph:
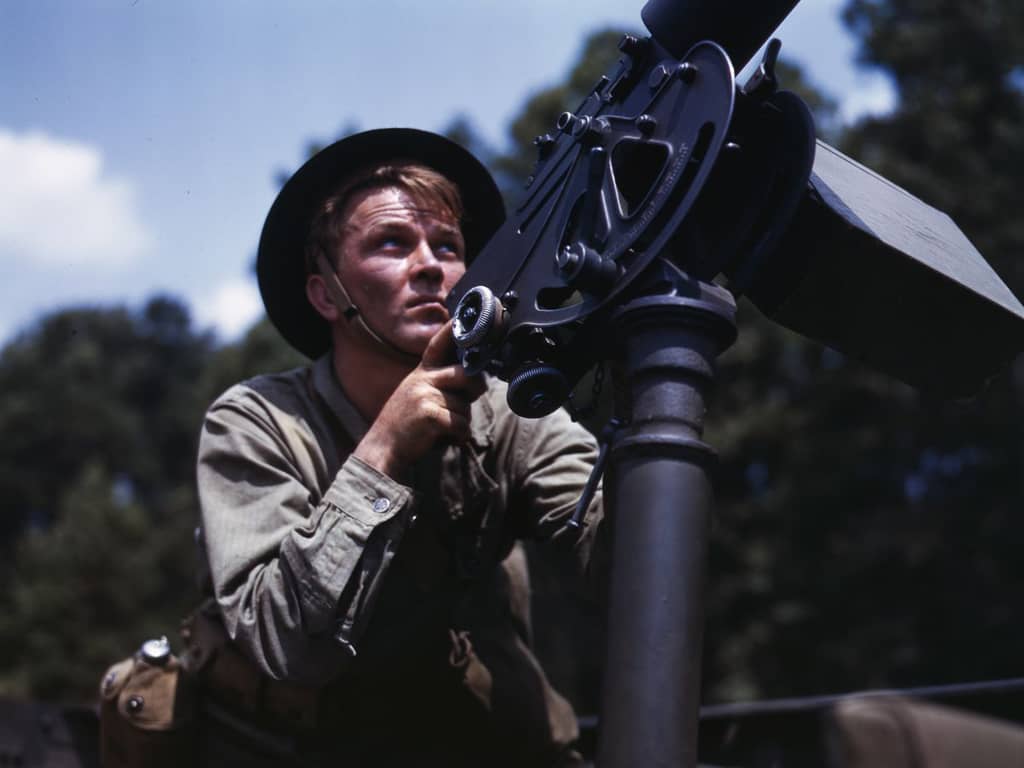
(232, 682)
(455, 698)
(148, 714)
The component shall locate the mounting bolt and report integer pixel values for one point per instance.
(595, 128)
(687, 72)
(646, 123)
(567, 259)
(631, 45)
(544, 144)
(658, 77)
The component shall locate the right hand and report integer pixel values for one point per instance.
(430, 405)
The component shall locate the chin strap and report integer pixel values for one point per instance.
(352, 314)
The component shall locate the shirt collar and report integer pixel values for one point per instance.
(327, 386)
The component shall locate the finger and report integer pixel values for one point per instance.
(440, 349)
(458, 429)
(450, 418)
(456, 403)
(455, 378)
(477, 385)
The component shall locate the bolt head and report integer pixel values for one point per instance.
(687, 71)
(567, 258)
(646, 123)
(658, 76)
(628, 43)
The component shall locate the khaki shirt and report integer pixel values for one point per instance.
(324, 567)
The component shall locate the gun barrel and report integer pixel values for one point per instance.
(741, 28)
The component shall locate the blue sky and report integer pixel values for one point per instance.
(140, 140)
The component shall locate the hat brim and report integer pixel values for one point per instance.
(280, 263)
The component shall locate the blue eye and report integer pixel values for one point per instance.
(449, 248)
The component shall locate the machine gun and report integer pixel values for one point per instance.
(666, 195)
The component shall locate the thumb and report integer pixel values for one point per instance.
(440, 349)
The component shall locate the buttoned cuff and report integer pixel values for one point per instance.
(366, 494)
(359, 502)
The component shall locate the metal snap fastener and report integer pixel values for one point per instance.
(135, 704)
(349, 648)
(156, 652)
(381, 504)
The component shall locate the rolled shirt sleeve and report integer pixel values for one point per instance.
(293, 570)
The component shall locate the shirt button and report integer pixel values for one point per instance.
(381, 504)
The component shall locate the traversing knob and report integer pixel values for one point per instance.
(477, 314)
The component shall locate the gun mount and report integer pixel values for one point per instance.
(667, 156)
(666, 194)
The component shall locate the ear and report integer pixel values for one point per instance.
(320, 297)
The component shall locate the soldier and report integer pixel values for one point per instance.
(359, 515)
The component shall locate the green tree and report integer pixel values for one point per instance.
(107, 574)
(866, 534)
(91, 384)
(955, 138)
(100, 412)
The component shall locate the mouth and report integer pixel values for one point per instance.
(431, 304)
(434, 301)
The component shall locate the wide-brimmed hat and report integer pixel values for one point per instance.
(280, 263)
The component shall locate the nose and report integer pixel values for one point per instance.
(425, 266)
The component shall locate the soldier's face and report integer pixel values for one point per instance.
(398, 261)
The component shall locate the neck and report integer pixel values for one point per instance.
(368, 376)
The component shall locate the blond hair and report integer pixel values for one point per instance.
(426, 187)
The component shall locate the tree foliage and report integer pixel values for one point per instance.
(101, 410)
(955, 138)
(864, 533)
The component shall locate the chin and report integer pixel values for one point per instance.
(415, 345)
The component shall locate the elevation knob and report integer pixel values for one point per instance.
(537, 390)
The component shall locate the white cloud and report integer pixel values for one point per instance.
(59, 207)
(231, 308)
(871, 95)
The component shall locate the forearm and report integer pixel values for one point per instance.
(294, 573)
